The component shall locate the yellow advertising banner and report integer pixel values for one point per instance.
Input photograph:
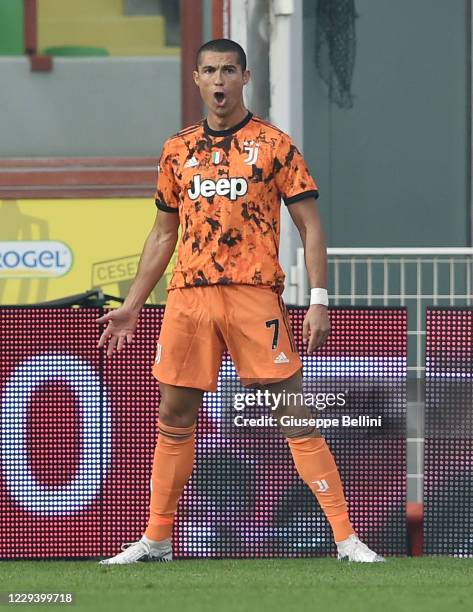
(50, 249)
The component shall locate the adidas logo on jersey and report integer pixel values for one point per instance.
(191, 163)
(231, 187)
(281, 358)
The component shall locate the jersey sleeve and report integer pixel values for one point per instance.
(167, 191)
(291, 174)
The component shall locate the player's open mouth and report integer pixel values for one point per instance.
(219, 98)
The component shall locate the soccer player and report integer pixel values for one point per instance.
(222, 180)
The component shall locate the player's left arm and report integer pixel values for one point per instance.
(305, 214)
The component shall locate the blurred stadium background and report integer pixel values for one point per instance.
(377, 94)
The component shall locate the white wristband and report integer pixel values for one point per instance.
(319, 296)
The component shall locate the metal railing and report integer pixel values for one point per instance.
(410, 277)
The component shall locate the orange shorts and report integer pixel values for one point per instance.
(199, 323)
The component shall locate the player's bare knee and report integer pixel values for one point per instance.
(296, 422)
(289, 409)
(179, 405)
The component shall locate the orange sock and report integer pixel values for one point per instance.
(316, 466)
(172, 467)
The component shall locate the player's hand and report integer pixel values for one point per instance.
(121, 328)
(316, 327)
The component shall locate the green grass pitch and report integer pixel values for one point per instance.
(402, 584)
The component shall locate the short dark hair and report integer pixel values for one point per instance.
(224, 45)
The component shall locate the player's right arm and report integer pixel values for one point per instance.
(157, 252)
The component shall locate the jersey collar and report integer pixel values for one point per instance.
(208, 130)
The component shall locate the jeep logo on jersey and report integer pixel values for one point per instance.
(231, 187)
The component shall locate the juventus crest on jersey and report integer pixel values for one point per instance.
(226, 187)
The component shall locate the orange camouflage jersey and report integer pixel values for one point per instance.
(227, 187)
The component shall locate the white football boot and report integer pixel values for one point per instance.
(353, 549)
(133, 552)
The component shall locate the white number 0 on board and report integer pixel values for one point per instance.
(95, 419)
